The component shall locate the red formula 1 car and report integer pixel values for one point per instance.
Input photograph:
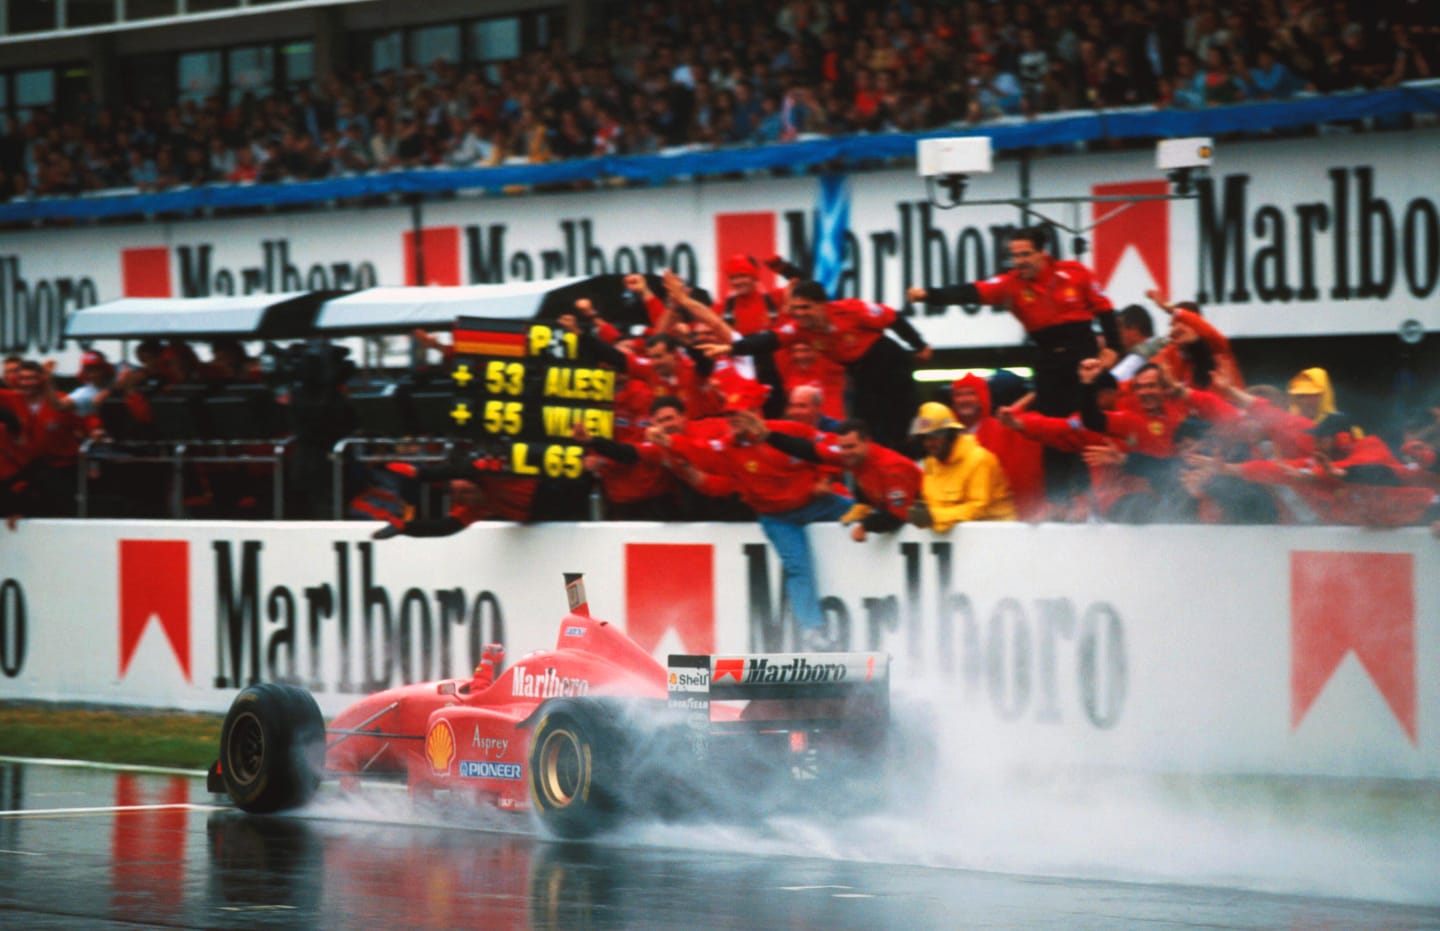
(581, 734)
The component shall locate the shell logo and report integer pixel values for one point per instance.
(440, 746)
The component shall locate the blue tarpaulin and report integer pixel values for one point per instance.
(1060, 129)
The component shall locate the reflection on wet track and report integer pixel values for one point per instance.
(94, 848)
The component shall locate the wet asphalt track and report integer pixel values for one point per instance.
(87, 848)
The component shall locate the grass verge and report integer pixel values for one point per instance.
(143, 738)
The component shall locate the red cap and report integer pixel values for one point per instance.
(93, 357)
(741, 393)
(740, 265)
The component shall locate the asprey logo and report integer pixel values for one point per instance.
(1353, 602)
(1141, 229)
(670, 597)
(155, 586)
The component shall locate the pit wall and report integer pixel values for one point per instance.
(1281, 651)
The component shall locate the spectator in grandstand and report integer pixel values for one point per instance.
(246, 171)
(1187, 84)
(1032, 65)
(11, 369)
(993, 93)
(143, 175)
(472, 145)
(1118, 85)
(1224, 81)
(1410, 61)
(962, 480)
(1271, 79)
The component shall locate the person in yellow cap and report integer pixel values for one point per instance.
(1311, 395)
(962, 480)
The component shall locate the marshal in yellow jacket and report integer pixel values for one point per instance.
(965, 483)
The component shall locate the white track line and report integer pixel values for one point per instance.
(107, 809)
(114, 767)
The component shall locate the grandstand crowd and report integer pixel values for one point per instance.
(693, 73)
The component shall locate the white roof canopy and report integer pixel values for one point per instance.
(195, 317)
(434, 307)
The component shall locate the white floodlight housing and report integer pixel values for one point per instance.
(955, 155)
(947, 163)
(1191, 152)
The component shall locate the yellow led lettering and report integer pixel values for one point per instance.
(504, 377)
(600, 423)
(539, 339)
(503, 417)
(520, 462)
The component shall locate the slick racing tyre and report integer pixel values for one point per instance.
(272, 748)
(575, 774)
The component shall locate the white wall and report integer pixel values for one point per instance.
(1271, 650)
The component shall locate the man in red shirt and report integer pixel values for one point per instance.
(785, 492)
(748, 308)
(1057, 302)
(634, 489)
(46, 435)
(652, 469)
(1147, 423)
(852, 333)
(1019, 455)
(888, 484)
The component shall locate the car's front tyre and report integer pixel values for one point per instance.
(272, 748)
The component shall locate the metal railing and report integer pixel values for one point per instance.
(367, 450)
(179, 454)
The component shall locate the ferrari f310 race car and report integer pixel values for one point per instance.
(582, 734)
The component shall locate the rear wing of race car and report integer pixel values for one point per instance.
(813, 688)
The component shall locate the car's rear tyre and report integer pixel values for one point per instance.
(575, 777)
(272, 748)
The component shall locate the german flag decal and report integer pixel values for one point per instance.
(490, 342)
